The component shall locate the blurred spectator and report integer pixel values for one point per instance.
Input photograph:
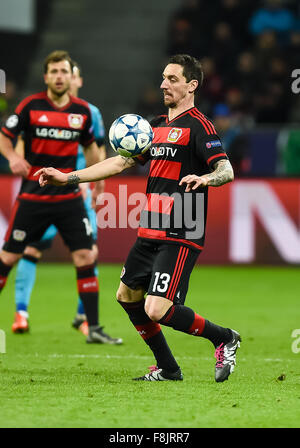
(292, 52)
(212, 88)
(246, 76)
(151, 103)
(233, 138)
(273, 17)
(189, 28)
(223, 48)
(236, 14)
(271, 103)
(236, 101)
(266, 47)
(181, 37)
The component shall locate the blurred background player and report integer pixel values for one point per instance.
(53, 123)
(26, 269)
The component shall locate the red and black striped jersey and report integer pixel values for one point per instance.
(188, 144)
(51, 135)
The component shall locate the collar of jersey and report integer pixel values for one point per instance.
(179, 116)
(56, 107)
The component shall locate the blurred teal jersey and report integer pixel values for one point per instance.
(99, 134)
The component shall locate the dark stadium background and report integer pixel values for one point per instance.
(250, 91)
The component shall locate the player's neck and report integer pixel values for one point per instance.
(179, 109)
(59, 101)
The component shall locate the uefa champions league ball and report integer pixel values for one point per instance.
(130, 135)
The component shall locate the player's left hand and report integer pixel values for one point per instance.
(193, 182)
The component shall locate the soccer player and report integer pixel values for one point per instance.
(53, 123)
(186, 157)
(26, 269)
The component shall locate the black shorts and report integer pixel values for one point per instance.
(161, 269)
(30, 219)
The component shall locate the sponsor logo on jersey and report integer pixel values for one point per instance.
(163, 151)
(75, 121)
(58, 134)
(12, 121)
(213, 144)
(19, 235)
(174, 135)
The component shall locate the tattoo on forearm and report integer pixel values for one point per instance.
(222, 174)
(73, 179)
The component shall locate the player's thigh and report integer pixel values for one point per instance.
(27, 224)
(126, 294)
(73, 224)
(171, 272)
(46, 241)
(137, 270)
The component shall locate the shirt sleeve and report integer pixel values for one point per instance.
(17, 122)
(98, 126)
(87, 135)
(209, 148)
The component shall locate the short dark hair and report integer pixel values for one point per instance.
(57, 56)
(75, 64)
(192, 68)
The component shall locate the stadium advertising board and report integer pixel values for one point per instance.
(249, 221)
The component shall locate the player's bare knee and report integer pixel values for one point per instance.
(83, 257)
(33, 252)
(155, 313)
(156, 307)
(9, 258)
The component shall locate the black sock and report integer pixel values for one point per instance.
(88, 289)
(184, 319)
(151, 333)
(216, 334)
(30, 258)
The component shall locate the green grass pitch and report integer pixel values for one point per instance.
(51, 378)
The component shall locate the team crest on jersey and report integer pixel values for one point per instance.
(75, 120)
(19, 235)
(174, 135)
(122, 272)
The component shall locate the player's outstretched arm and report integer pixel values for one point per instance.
(102, 170)
(222, 174)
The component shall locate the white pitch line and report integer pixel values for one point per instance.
(188, 358)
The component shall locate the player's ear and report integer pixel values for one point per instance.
(193, 85)
(45, 78)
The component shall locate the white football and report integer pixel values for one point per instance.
(130, 135)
